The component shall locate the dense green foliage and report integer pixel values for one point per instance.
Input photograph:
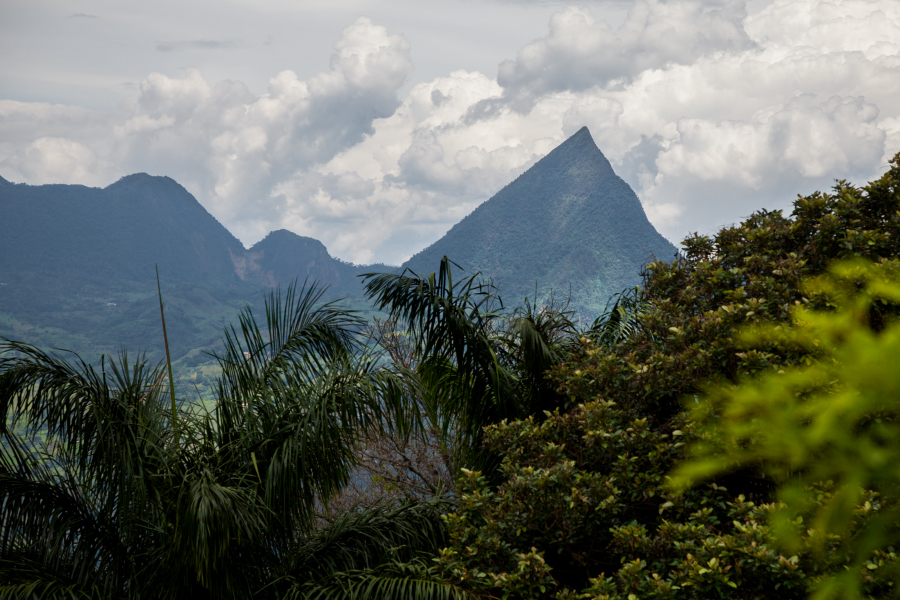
(833, 419)
(568, 224)
(583, 505)
(583, 509)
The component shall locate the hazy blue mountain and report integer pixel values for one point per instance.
(568, 222)
(282, 257)
(77, 266)
(79, 235)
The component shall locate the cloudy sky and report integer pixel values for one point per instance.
(374, 126)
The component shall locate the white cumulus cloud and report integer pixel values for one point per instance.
(581, 52)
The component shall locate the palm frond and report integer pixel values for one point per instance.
(289, 414)
(94, 417)
(299, 336)
(374, 554)
(392, 581)
(534, 340)
(367, 538)
(441, 315)
(83, 453)
(452, 322)
(77, 449)
(32, 583)
(218, 543)
(56, 528)
(619, 321)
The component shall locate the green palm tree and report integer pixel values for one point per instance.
(478, 364)
(106, 492)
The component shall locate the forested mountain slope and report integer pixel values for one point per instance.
(77, 266)
(79, 235)
(569, 222)
(283, 256)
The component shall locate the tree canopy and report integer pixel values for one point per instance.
(584, 506)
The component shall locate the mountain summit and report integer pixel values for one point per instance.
(75, 235)
(569, 223)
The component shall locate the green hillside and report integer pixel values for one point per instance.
(78, 268)
(284, 256)
(80, 236)
(569, 222)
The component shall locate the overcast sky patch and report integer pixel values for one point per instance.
(196, 45)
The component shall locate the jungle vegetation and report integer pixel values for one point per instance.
(728, 429)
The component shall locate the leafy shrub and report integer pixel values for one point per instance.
(752, 272)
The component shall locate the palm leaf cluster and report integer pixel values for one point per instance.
(103, 494)
(620, 320)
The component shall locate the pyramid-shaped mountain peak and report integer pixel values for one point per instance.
(568, 224)
(580, 143)
(577, 154)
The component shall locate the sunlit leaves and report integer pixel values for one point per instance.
(834, 420)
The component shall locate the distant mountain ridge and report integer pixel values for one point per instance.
(121, 231)
(130, 227)
(567, 224)
(78, 267)
(283, 256)
(77, 264)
